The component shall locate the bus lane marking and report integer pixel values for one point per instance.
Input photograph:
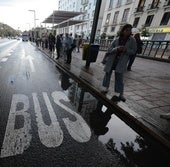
(52, 135)
(17, 140)
(79, 130)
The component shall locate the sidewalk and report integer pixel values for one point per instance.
(147, 90)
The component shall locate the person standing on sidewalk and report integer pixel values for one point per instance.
(68, 43)
(139, 51)
(58, 46)
(118, 55)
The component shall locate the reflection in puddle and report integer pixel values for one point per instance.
(116, 135)
(120, 132)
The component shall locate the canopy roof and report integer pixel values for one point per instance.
(68, 23)
(59, 16)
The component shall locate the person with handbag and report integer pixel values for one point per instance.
(139, 51)
(117, 57)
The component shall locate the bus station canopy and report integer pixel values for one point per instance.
(59, 16)
(68, 23)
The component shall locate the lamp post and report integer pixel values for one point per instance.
(34, 22)
(28, 26)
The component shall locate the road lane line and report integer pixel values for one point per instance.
(4, 59)
(30, 58)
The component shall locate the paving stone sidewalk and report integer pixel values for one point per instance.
(147, 88)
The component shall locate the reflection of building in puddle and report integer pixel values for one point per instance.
(82, 99)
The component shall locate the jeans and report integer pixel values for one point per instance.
(69, 56)
(119, 86)
(131, 60)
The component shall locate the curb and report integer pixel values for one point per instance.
(134, 121)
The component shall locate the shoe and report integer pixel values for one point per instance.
(122, 98)
(165, 116)
(129, 69)
(105, 90)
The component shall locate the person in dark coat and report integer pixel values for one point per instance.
(58, 46)
(139, 51)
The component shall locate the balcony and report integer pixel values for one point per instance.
(152, 7)
(139, 9)
(166, 4)
(84, 2)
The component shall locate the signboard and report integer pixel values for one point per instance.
(159, 30)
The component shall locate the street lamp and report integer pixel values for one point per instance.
(34, 22)
(29, 26)
(34, 17)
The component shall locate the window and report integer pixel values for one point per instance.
(125, 15)
(119, 2)
(140, 6)
(115, 17)
(154, 4)
(107, 18)
(105, 29)
(149, 20)
(128, 1)
(89, 5)
(110, 4)
(136, 21)
(113, 29)
(165, 18)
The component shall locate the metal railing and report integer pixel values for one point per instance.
(157, 50)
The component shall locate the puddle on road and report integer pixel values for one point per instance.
(116, 135)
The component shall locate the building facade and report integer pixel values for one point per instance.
(150, 17)
(153, 16)
(88, 9)
(116, 14)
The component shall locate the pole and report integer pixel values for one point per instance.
(95, 20)
(94, 27)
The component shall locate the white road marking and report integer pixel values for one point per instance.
(23, 54)
(4, 59)
(79, 130)
(52, 135)
(17, 140)
(30, 58)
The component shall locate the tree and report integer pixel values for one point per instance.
(103, 35)
(144, 32)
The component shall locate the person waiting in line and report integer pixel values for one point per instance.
(58, 46)
(139, 51)
(51, 40)
(78, 43)
(117, 57)
(68, 45)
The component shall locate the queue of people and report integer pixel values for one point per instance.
(64, 45)
(119, 57)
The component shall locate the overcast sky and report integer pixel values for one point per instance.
(15, 12)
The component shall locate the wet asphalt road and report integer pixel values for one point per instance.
(38, 124)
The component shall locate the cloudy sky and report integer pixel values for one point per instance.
(15, 12)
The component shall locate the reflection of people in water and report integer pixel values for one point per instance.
(99, 119)
(65, 82)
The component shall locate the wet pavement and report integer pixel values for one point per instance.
(52, 117)
(39, 123)
(147, 91)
